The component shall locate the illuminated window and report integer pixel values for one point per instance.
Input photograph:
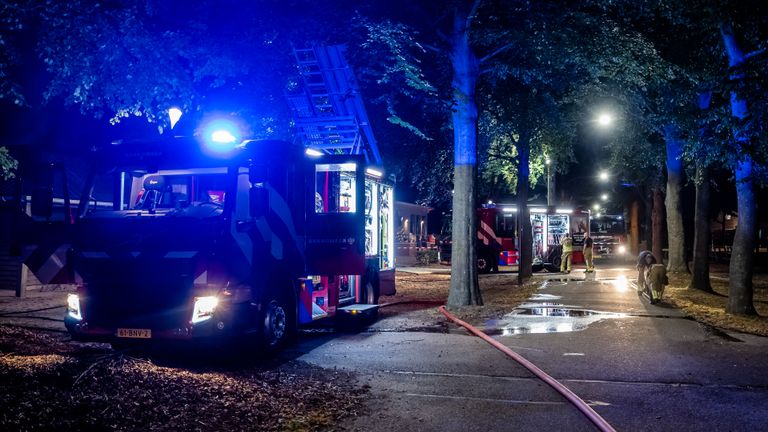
(335, 188)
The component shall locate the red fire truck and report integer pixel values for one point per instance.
(498, 245)
(247, 240)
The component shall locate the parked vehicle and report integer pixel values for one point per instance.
(609, 235)
(498, 245)
(224, 242)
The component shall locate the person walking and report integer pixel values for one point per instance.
(565, 258)
(588, 255)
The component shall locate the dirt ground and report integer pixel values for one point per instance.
(709, 308)
(500, 293)
(50, 383)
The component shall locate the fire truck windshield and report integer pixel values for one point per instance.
(177, 190)
(161, 191)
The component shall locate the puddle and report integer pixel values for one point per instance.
(547, 317)
(549, 311)
(544, 297)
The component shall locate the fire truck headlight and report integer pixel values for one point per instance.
(204, 308)
(73, 307)
(622, 249)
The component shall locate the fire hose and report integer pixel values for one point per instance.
(579, 403)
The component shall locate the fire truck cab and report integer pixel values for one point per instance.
(248, 240)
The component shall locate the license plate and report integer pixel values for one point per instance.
(134, 333)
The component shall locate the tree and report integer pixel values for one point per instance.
(740, 298)
(7, 165)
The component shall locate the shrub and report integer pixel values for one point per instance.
(426, 256)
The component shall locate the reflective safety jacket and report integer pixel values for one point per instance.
(567, 243)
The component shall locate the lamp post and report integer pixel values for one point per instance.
(550, 185)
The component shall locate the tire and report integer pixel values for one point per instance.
(483, 265)
(278, 324)
(370, 294)
(556, 262)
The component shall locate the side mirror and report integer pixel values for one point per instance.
(258, 197)
(42, 202)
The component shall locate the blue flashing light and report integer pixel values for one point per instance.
(221, 136)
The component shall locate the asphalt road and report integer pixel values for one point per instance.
(642, 367)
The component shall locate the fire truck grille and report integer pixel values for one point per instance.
(139, 295)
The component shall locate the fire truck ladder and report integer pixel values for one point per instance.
(328, 108)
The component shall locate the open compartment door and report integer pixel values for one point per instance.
(335, 233)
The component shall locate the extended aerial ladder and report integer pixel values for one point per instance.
(328, 108)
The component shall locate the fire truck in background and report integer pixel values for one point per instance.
(609, 235)
(497, 243)
(213, 243)
(548, 231)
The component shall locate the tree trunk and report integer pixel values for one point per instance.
(465, 289)
(675, 230)
(740, 296)
(634, 228)
(526, 236)
(701, 235)
(657, 224)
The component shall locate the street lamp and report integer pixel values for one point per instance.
(550, 184)
(174, 114)
(604, 175)
(604, 197)
(604, 119)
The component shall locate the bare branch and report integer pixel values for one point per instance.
(431, 48)
(497, 52)
(442, 36)
(472, 13)
(499, 156)
(754, 54)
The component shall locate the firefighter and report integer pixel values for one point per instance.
(644, 262)
(565, 259)
(588, 256)
(656, 278)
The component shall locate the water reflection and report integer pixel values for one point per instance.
(547, 318)
(621, 283)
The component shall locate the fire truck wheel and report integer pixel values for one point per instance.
(277, 325)
(483, 264)
(371, 294)
(554, 267)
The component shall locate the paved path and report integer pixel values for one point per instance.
(642, 367)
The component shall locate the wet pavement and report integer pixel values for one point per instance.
(641, 366)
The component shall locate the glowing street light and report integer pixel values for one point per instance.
(604, 120)
(174, 114)
(604, 197)
(604, 175)
(596, 207)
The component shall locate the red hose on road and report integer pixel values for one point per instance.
(579, 403)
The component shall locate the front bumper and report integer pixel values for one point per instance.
(87, 332)
(229, 320)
